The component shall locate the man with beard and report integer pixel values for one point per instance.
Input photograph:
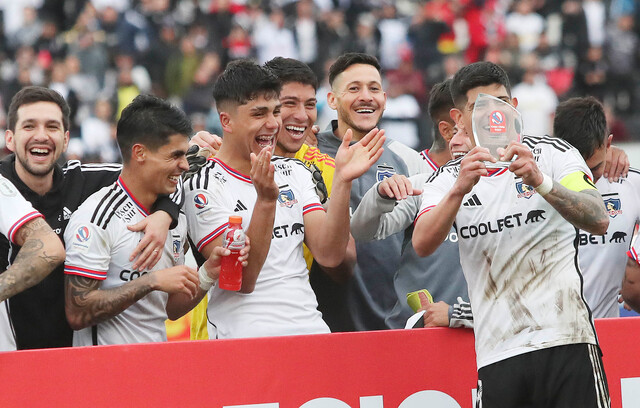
(38, 121)
(357, 95)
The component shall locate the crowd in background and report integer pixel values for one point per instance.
(100, 54)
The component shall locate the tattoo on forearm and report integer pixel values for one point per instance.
(581, 211)
(32, 262)
(91, 305)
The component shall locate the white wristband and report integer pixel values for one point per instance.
(545, 187)
(205, 281)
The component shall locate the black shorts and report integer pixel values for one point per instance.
(568, 376)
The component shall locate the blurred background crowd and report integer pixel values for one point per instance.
(99, 54)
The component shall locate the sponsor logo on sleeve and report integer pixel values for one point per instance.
(384, 171)
(7, 189)
(82, 239)
(200, 201)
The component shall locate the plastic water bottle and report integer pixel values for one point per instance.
(231, 268)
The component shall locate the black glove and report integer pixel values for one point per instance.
(197, 157)
(321, 188)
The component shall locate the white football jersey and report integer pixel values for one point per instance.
(98, 247)
(283, 302)
(602, 257)
(15, 211)
(519, 257)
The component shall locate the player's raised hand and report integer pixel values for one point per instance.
(352, 161)
(262, 171)
(397, 187)
(472, 167)
(524, 164)
(177, 279)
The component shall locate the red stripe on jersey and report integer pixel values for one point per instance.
(496, 172)
(87, 273)
(429, 160)
(633, 254)
(25, 219)
(143, 210)
(232, 172)
(422, 212)
(213, 235)
(312, 207)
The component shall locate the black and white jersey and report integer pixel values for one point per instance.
(282, 302)
(602, 257)
(519, 257)
(37, 315)
(98, 247)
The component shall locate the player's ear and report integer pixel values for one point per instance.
(225, 121)
(456, 115)
(514, 102)
(138, 152)
(446, 130)
(8, 140)
(331, 100)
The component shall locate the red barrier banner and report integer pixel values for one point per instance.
(386, 369)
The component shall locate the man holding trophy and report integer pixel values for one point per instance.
(517, 202)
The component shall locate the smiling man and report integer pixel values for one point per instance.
(357, 95)
(279, 207)
(37, 134)
(108, 300)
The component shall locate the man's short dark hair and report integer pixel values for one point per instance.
(582, 123)
(290, 70)
(150, 121)
(348, 59)
(474, 75)
(34, 94)
(242, 81)
(440, 103)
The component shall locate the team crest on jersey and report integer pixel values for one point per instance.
(384, 171)
(286, 198)
(524, 190)
(200, 200)
(614, 206)
(176, 247)
(496, 122)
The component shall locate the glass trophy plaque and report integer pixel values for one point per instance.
(495, 124)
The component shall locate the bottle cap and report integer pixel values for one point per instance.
(235, 219)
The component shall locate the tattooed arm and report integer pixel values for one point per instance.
(86, 304)
(581, 204)
(41, 252)
(584, 209)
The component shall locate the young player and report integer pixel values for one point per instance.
(108, 301)
(279, 206)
